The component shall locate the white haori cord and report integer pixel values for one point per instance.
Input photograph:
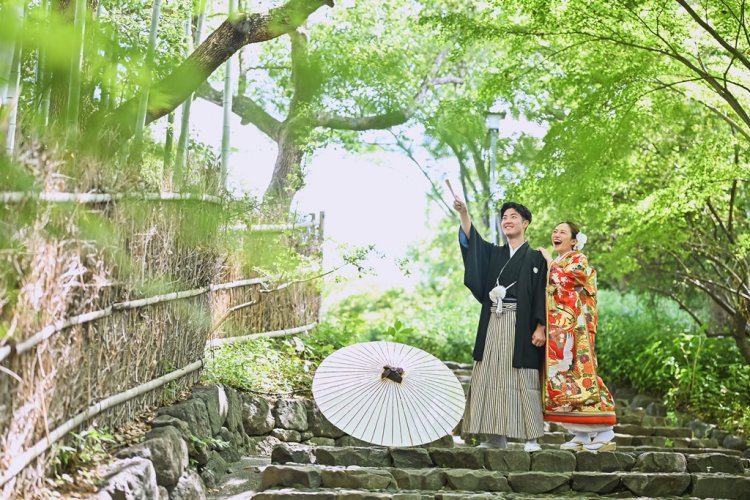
(497, 295)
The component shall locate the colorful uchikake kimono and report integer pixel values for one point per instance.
(573, 393)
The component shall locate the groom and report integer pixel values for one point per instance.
(509, 281)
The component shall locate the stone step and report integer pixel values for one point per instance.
(646, 448)
(458, 366)
(644, 430)
(419, 482)
(510, 460)
(632, 440)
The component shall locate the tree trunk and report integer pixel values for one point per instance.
(287, 175)
(740, 330)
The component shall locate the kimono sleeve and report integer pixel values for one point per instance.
(539, 290)
(584, 276)
(476, 257)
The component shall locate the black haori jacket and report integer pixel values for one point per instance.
(482, 264)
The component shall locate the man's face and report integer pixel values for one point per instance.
(513, 224)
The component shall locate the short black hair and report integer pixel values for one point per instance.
(522, 210)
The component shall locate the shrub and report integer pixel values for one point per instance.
(277, 365)
(653, 346)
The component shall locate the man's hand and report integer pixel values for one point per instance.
(538, 338)
(463, 214)
(545, 253)
(460, 206)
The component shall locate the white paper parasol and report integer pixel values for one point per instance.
(388, 394)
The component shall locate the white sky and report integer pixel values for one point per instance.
(376, 198)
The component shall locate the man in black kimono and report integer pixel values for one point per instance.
(509, 281)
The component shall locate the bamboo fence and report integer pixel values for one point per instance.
(99, 345)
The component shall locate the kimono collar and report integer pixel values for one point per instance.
(512, 252)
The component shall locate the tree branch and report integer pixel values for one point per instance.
(305, 80)
(682, 305)
(232, 35)
(247, 109)
(392, 118)
(435, 193)
(719, 221)
(386, 120)
(711, 31)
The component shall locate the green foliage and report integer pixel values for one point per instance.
(649, 344)
(80, 450)
(212, 443)
(278, 365)
(646, 146)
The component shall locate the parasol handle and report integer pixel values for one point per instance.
(392, 373)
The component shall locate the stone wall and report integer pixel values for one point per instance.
(191, 443)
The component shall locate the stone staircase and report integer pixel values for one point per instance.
(652, 460)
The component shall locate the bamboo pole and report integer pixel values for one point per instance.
(225, 139)
(12, 10)
(168, 147)
(76, 62)
(19, 462)
(42, 74)
(53, 328)
(80, 319)
(237, 283)
(182, 142)
(135, 304)
(229, 313)
(143, 104)
(13, 97)
(276, 333)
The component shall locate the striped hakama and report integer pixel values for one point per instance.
(503, 400)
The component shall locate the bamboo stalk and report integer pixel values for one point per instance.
(76, 61)
(13, 97)
(168, 147)
(13, 10)
(225, 139)
(143, 104)
(11, 86)
(42, 75)
(19, 462)
(276, 333)
(182, 142)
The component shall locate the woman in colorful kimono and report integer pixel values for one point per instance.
(572, 393)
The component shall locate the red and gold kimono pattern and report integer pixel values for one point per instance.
(572, 390)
